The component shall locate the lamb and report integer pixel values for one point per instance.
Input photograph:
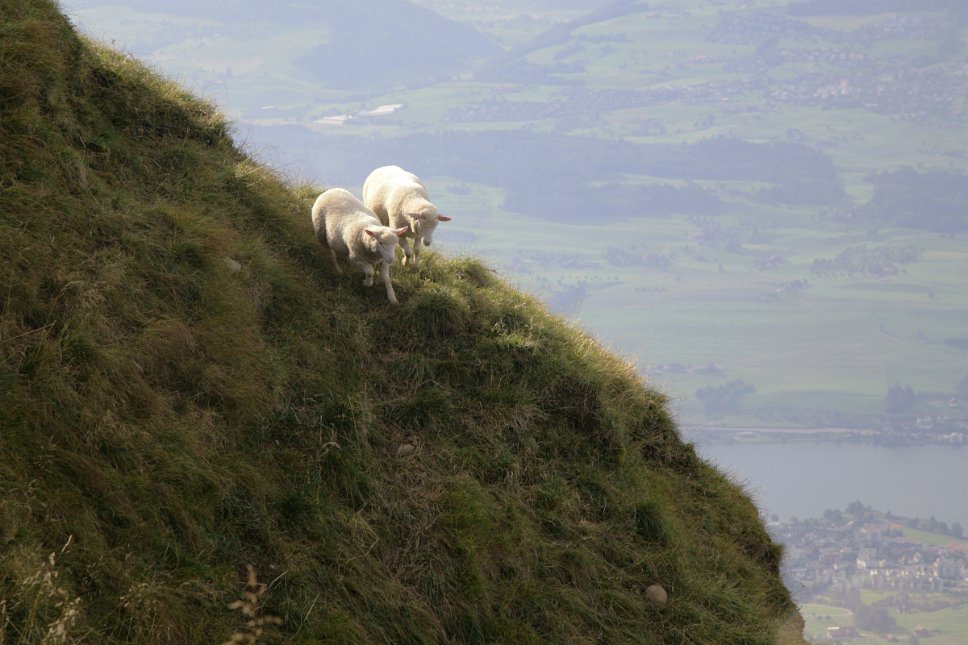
(352, 231)
(399, 199)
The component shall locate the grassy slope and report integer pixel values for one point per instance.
(165, 420)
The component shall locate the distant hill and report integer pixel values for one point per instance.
(370, 44)
(187, 388)
(392, 43)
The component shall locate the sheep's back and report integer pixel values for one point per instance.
(341, 217)
(388, 190)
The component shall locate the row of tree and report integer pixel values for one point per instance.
(859, 510)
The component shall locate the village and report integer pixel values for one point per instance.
(862, 549)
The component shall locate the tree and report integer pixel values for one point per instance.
(856, 508)
(876, 619)
(833, 515)
(957, 530)
(725, 398)
(901, 399)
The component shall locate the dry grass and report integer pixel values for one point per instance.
(250, 606)
(50, 609)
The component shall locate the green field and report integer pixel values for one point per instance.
(948, 626)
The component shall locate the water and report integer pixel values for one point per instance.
(803, 479)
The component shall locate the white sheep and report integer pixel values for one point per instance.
(399, 198)
(353, 232)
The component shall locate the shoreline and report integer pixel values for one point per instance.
(759, 435)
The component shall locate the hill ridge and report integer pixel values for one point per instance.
(465, 467)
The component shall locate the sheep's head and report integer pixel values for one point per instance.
(383, 240)
(424, 223)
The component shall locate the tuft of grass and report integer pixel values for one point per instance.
(185, 382)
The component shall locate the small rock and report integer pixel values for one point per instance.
(657, 594)
(233, 265)
(405, 449)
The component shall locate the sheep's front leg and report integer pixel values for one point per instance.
(385, 272)
(367, 270)
(417, 245)
(407, 253)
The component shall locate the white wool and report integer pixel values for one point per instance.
(400, 199)
(353, 232)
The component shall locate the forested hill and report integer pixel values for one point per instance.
(186, 388)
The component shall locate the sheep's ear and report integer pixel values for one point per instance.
(369, 232)
(444, 218)
(401, 231)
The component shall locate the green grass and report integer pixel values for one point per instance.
(168, 420)
(820, 616)
(948, 626)
(928, 537)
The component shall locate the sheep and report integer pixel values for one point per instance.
(352, 231)
(399, 198)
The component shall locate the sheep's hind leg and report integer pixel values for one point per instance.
(339, 269)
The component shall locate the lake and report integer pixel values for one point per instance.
(803, 479)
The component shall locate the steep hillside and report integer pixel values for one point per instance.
(186, 388)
